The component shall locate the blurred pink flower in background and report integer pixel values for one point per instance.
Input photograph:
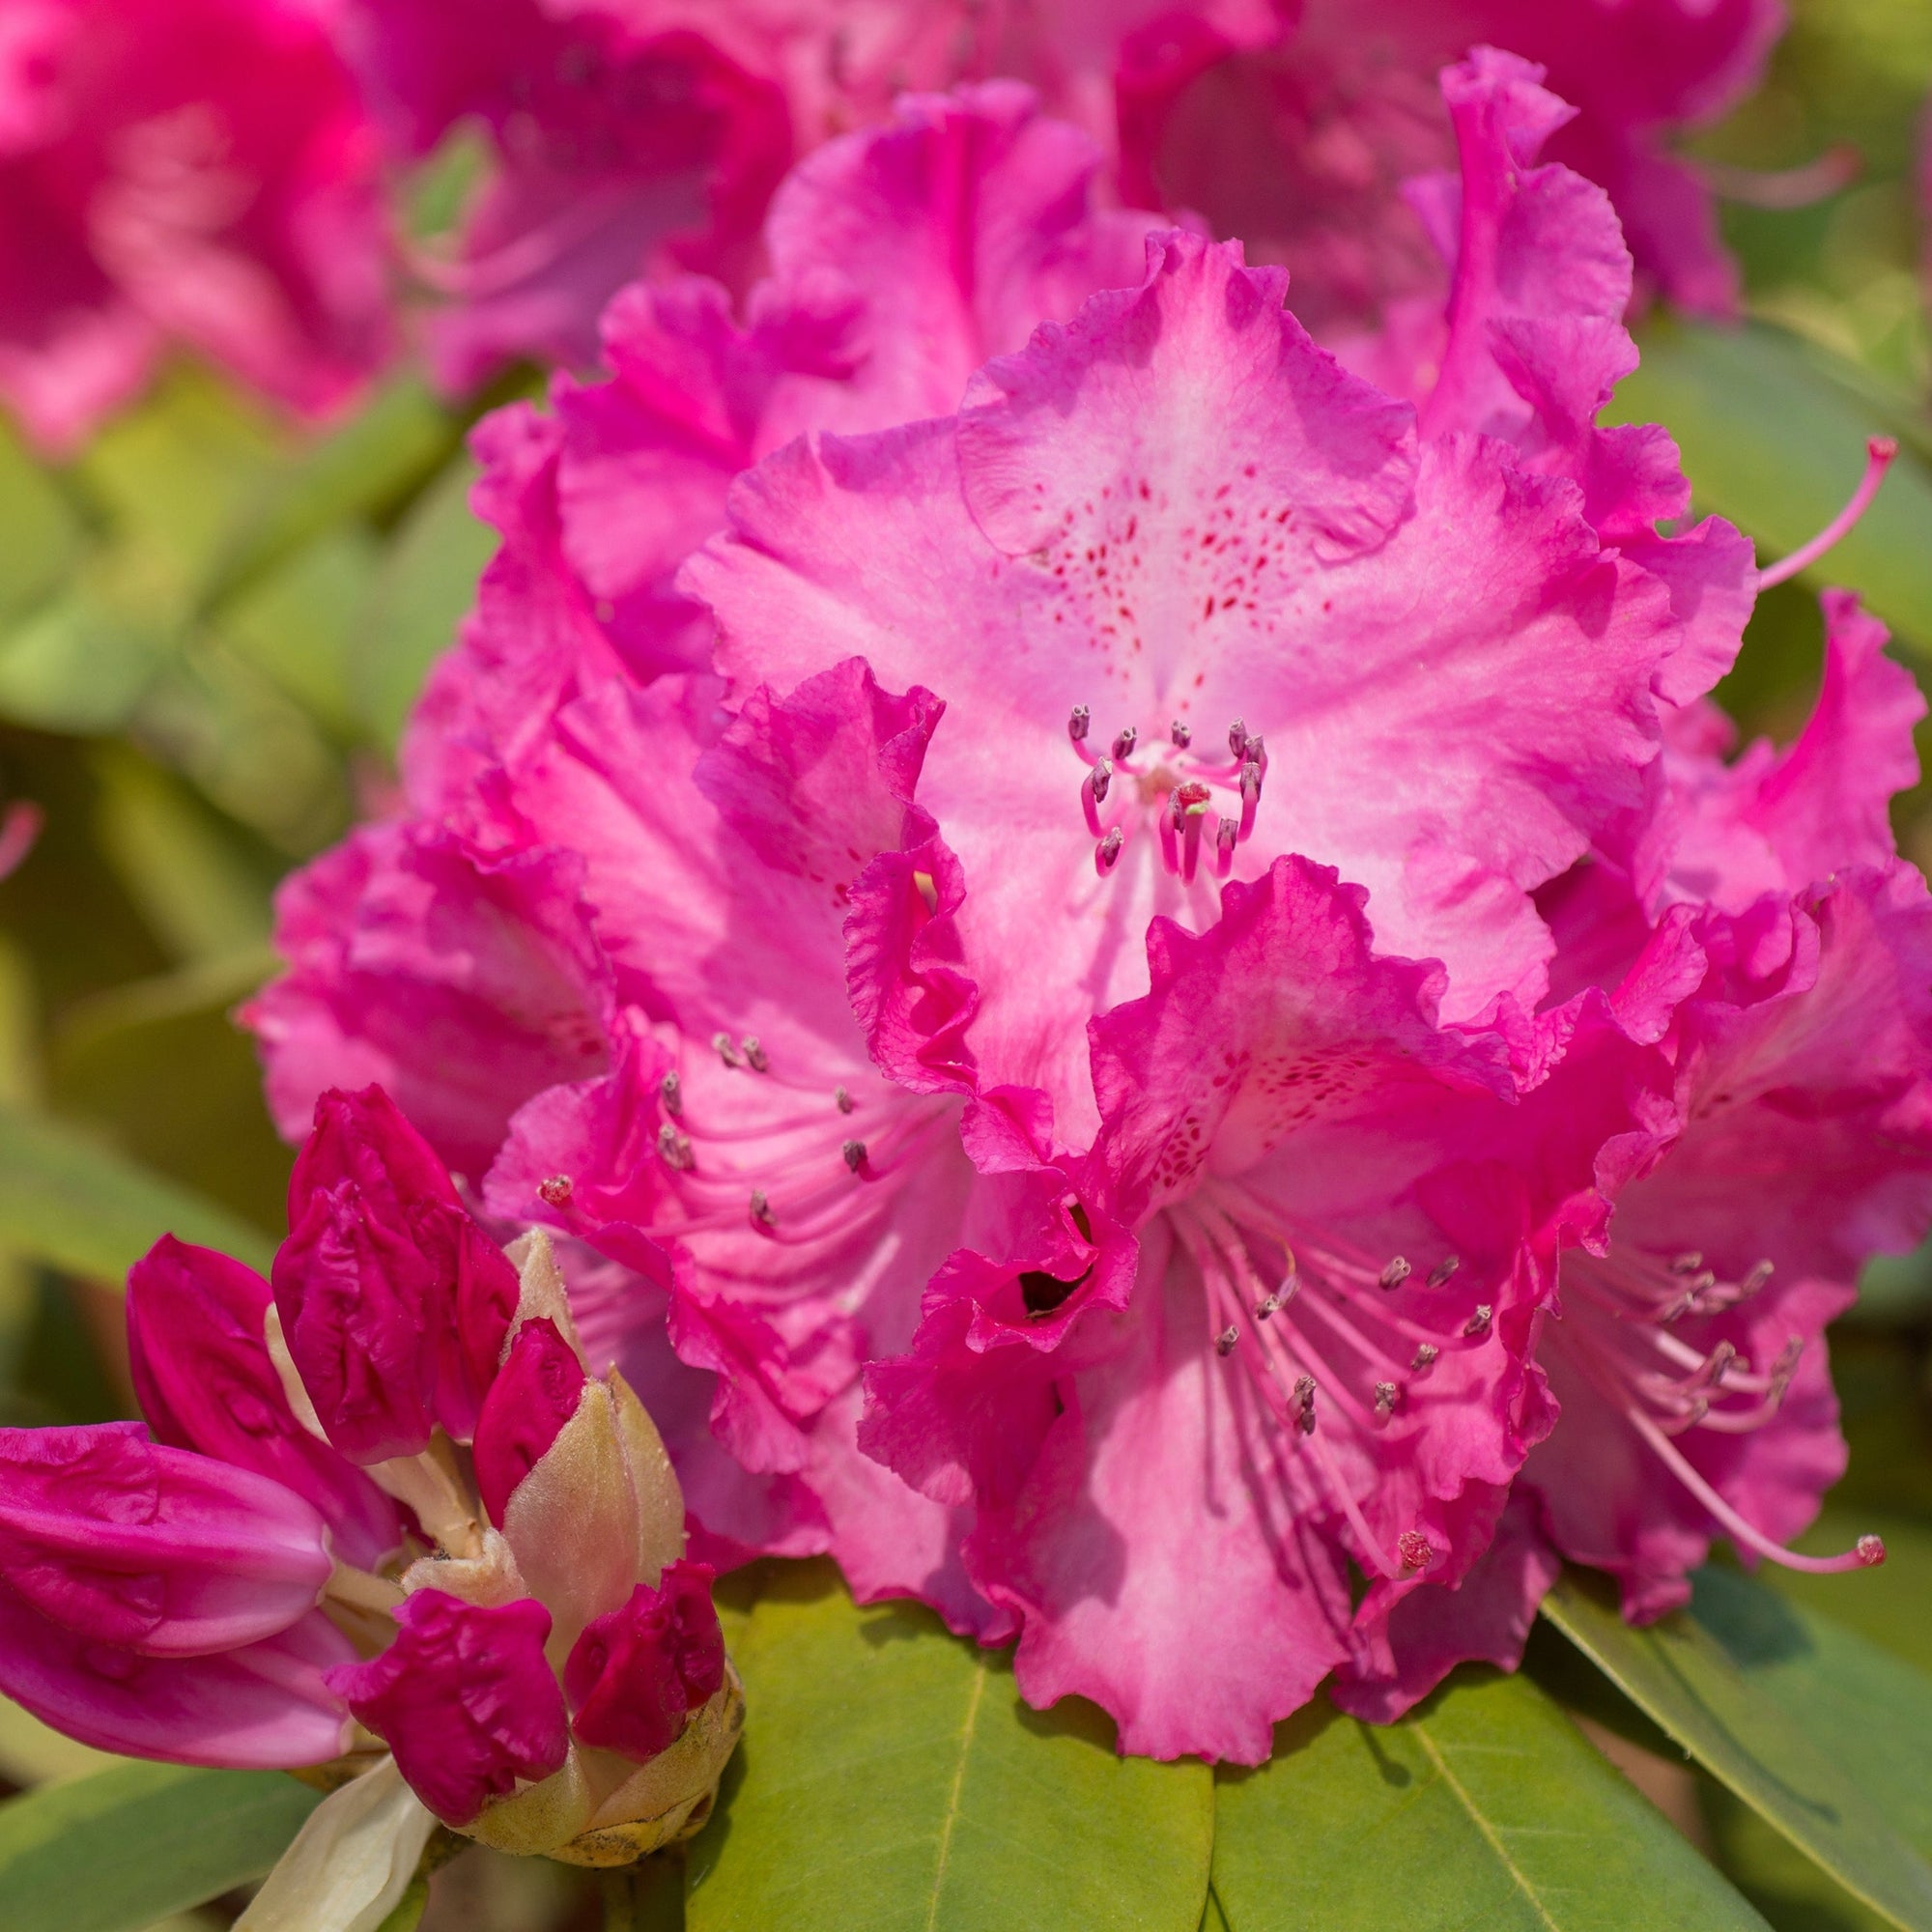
(191, 172)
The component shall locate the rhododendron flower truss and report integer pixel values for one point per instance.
(300, 1568)
(1276, 1323)
(1305, 148)
(1196, 597)
(195, 171)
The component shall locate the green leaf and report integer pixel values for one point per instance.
(1774, 442)
(118, 1849)
(77, 1205)
(40, 534)
(891, 1777)
(427, 582)
(375, 459)
(1484, 1808)
(1679, 1673)
(1887, 1606)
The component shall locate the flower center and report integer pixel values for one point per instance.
(1178, 790)
(1628, 1303)
(1336, 1348)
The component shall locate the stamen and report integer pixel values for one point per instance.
(1387, 1395)
(555, 1191)
(1443, 1269)
(1078, 722)
(842, 1101)
(1227, 833)
(1865, 1554)
(1251, 796)
(721, 1044)
(762, 1209)
(1415, 1550)
(1479, 1322)
(1424, 1357)
(1393, 1274)
(1880, 452)
(1303, 1398)
(1237, 738)
(1107, 853)
(855, 1155)
(1687, 1263)
(1755, 1278)
(754, 1055)
(1180, 735)
(675, 1149)
(670, 1091)
(1125, 742)
(1225, 1340)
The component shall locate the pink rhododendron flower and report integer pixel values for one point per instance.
(191, 171)
(609, 148)
(1304, 149)
(1773, 947)
(543, 1668)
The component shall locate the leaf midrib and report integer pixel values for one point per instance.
(952, 1817)
(1482, 1824)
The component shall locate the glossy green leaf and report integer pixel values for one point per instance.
(426, 585)
(118, 1849)
(74, 1202)
(39, 533)
(1484, 1808)
(891, 1777)
(1679, 1673)
(1772, 443)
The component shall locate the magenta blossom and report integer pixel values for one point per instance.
(1305, 149)
(610, 149)
(542, 1666)
(190, 171)
(1773, 947)
(1275, 1322)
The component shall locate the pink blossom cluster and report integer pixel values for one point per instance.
(1128, 960)
(233, 175)
(378, 1505)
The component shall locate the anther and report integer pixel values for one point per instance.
(1268, 1305)
(671, 1091)
(1688, 1263)
(1108, 850)
(1257, 753)
(721, 1044)
(1423, 1356)
(1237, 738)
(674, 1147)
(1871, 1551)
(1759, 1273)
(855, 1155)
(1386, 1397)
(1125, 741)
(1479, 1322)
(1181, 735)
(842, 1101)
(1078, 722)
(555, 1191)
(1394, 1273)
(756, 1057)
(762, 1209)
(1224, 1342)
(1443, 1269)
(1304, 1403)
(1415, 1550)
(1101, 779)
(1251, 796)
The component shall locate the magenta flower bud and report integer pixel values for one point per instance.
(638, 1671)
(120, 1541)
(206, 1382)
(538, 1391)
(464, 1699)
(394, 1302)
